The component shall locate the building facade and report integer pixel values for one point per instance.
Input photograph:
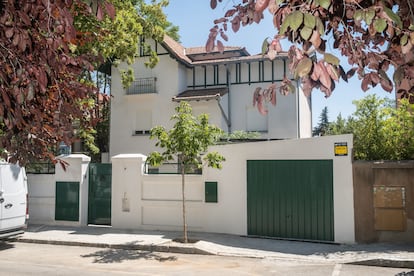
(222, 85)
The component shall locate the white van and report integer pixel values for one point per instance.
(13, 200)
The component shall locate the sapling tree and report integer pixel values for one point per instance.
(187, 142)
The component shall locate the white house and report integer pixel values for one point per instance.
(220, 84)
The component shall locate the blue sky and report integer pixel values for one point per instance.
(195, 18)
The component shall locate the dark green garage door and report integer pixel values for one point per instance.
(290, 199)
(99, 199)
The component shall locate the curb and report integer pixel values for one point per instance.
(189, 249)
(385, 263)
(142, 247)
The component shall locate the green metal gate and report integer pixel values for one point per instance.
(290, 199)
(99, 198)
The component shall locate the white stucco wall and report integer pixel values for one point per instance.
(305, 115)
(127, 170)
(76, 171)
(232, 180)
(282, 118)
(156, 108)
(155, 199)
(42, 191)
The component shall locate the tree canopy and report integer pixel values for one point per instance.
(47, 51)
(381, 131)
(376, 38)
(323, 126)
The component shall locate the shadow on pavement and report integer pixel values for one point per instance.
(120, 255)
(409, 273)
(304, 248)
(5, 244)
(227, 242)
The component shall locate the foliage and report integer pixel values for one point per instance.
(340, 126)
(367, 128)
(39, 80)
(373, 36)
(102, 132)
(381, 132)
(323, 126)
(398, 132)
(186, 142)
(85, 132)
(136, 20)
(240, 135)
(47, 51)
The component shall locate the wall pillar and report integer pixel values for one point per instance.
(76, 170)
(127, 172)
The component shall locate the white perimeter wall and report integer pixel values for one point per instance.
(42, 191)
(154, 201)
(41, 198)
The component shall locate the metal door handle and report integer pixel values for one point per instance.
(8, 206)
(1, 200)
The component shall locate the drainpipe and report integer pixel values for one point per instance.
(229, 98)
(223, 113)
(298, 108)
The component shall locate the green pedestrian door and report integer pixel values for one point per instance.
(99, 203)
(67, 201)
(290, 199)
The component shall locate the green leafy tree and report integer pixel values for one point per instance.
(381, 132)
(340, 126)
(102, 133)
(367, 128)
(186, 142)
(323, 126)
(398, 132)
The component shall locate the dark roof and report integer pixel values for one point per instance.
(198, 55)
(201, 94)
(176, 49)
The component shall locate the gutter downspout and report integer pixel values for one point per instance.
(298, 108)
(228, 122)
(229, 98)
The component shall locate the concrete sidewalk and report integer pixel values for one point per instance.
(379, 254)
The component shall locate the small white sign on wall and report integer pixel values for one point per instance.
(125, 204)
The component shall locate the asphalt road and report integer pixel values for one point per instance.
(39, 259)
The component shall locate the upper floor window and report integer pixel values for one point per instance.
(142, 86)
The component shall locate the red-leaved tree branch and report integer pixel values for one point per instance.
(42, 92)
(373, 36)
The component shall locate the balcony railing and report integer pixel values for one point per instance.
(142, 86)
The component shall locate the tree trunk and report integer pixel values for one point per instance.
(183, 194)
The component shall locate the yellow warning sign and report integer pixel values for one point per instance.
(341, 149)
